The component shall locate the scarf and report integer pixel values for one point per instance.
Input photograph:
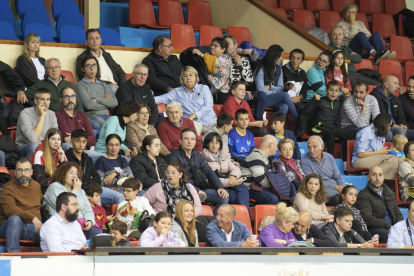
(410, 162)
(291, 164)
(174, 195)
(144, 128)
(185, 232)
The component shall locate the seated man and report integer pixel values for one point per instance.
(407, 100)
(304, 230)
(135, 89)
(110, 72)
(62, 232)
(95, 95)
(223, 127)
(20, 204)
(164, 69)
(225, 231)
(241, 70)
(34, 122)
(70, 119)
(404, 228)
(11, 84)
(323, 163)
(378, 206)
(54, 82)
(169, 129)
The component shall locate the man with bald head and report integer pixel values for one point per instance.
(323, 163)
(304, 230)
(378, 206)
(257, 163)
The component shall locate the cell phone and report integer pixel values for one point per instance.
(243, 178)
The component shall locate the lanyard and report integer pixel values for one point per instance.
(409, 231)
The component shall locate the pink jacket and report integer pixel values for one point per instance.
(225, 165)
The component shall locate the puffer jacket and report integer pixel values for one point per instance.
(224, 165)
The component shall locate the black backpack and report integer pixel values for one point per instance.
(10, 150)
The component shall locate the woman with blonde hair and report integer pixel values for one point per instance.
(184, 223)
(30, 66)
(279, 233)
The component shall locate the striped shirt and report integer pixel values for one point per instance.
(350, 31)
(257, 163)
(351, 112)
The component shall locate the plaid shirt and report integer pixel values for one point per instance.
(357, 216)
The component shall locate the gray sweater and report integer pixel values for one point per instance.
(27, 121)
(88, 90)
(351, 112)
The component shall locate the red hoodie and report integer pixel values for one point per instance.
(38, 157)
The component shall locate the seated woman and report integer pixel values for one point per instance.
(359, 39)
(184, 223)
(369, 147)
(268, 78)
(139, 129)
(279, 233)
(160, 234)
(112, 167)
(312, 196)
(67, 178)
(406, 172)
(228, 173)
(127, 113)
(30, 66)
(164, 195)
(195, 98)
(285, 164)
(340, 233)
(316, 75)
(47, 157)
(148, 166)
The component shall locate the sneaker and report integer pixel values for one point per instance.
(202, 196)
(381, 55)
(392, 55)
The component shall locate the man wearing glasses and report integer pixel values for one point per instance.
(135, 89)
(164, 68)
(54, 82)
(20, 204)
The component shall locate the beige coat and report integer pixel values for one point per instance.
(135, 135)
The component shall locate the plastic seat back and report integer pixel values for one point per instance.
(370, 6)
(394, 6)
(110, 37)
(363, 18)
(270, 3)
(409, 70)
(6, 15)
(7, 31)
(402, 46)
(384, 24)
(280, 11)
(303, 148)
(199, 13)
(207, 211)
(291, 4)
(262, 211)
(391, 67)
(42, 30)
(63, 6)
(359, 181)
(243, 215)
(207, 33)
(68, 76)
(41, 17)
(71, 34)
(217, 108)
(328, 20)
(318, 5)
(23, 6)
(170, 12)
(350, 151)
(141, 13)
(364, 64)
(182, 36)
(340, 165)
(304, 19)
(240, 33)
(338, 5)
(75, 19)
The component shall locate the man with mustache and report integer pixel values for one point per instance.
(62, 233)
(20, 203)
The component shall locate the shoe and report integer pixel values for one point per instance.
(392, 55)
(381, 55)
(202, 196)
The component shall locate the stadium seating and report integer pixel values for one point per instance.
(207, 33)
(364, 64)
(68, 76)
(359, 181)
(257, 141)
(182, 36)
(363, 18)
(291, 4)
(240, 33)
(4, 170)
(370, 6)
(350, 150)
(303, 147)
(409, 70)
(304, 19)
(328, 20)
(383, 24)
(128, 76)
(340, 165)
(270, 3)
(394, 6)
(6, 15)
(280, 11)
(398, 191)
(63, 6)
(402, 46)
(7, 31)
(262, 211)
(338, 5)
(110, 37)
(75, 19)
(41, 17)
(141, 13)
(42, 30)
(217, 108)
(170, 12)
(242, 214)
(23, 6)
(71, 34)
(199, 13)
(404, 212)
(161, 108)
(391, 67)
(318, 5)
(207, 211)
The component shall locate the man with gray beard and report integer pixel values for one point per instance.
(20, 203)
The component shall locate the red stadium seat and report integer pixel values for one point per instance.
(350, 151)
(318, 5)
(114, 208)
(128, 76)
(397, 192)
(4, 170)
(199, 13)
(257, 141)
(384, 24)
(328, 20)
(141, 13)
(207, 211)
(182, 36)
(240, 33)
(402, 46)
(262, 211)
(207, 33)
(338, 5)
(363, 18)
(394, 6)
(370, 6)
(364, 64)
(242, 215)
(304, 19)
(217, 108)
(8, 99)
(170, 12)
(291, 4)
(280, 11)
(409, 70)
(161, 108)
(270, 3)
(68, 76)
(391, 67)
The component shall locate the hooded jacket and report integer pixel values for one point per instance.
(87, 165)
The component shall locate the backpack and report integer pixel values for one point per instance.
(14, 111)
(10, 151)
(408, 22)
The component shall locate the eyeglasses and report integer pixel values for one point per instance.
(23, 170)
(53, 68)
(67, 97)
(143, 113)
(127, 191)
(91, 66)
(322, 60)
(214, 45)
(141, 74)
(168, 46)
(171, 173)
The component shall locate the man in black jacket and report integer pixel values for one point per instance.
(164, 68)
(304, 230)
(378, 206)
(110, 71)
(11, 84)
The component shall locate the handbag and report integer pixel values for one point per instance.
(256, 188)
(145, 221)
(200, 178)
(222, 175)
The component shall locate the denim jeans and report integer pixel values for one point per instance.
(92, 232)
(94, 155)
(66, 146)
(383, 234)
(265, 197)
(353, 129)
(98, 120)
(13, 230)
(28, 150)
(361, 42)
(394, 131)
(111, 197)
(239, 195)
(2, 159)
(214, 198)
(277, 101)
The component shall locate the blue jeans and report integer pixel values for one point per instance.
(361, 42)
(239, 195)
(383, 234)
(353, 129)
(98, 120)
(28, 150)
(214, 198)
(92, 232)
(265, 197)
(94, 155)
(2, 159)
(278, 101)
(13, 230)
(394, 131)
(111, 197)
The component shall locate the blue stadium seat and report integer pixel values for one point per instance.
(23, 6)
(340, 165)
(6, 15)
(63, 6)
(41, 17)
(303, 147)
(7, 31)
(4, 4)
(42, 30)
(75, 19)
(359, 181)
(404, 212)
(71, 34)
(110, 37)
